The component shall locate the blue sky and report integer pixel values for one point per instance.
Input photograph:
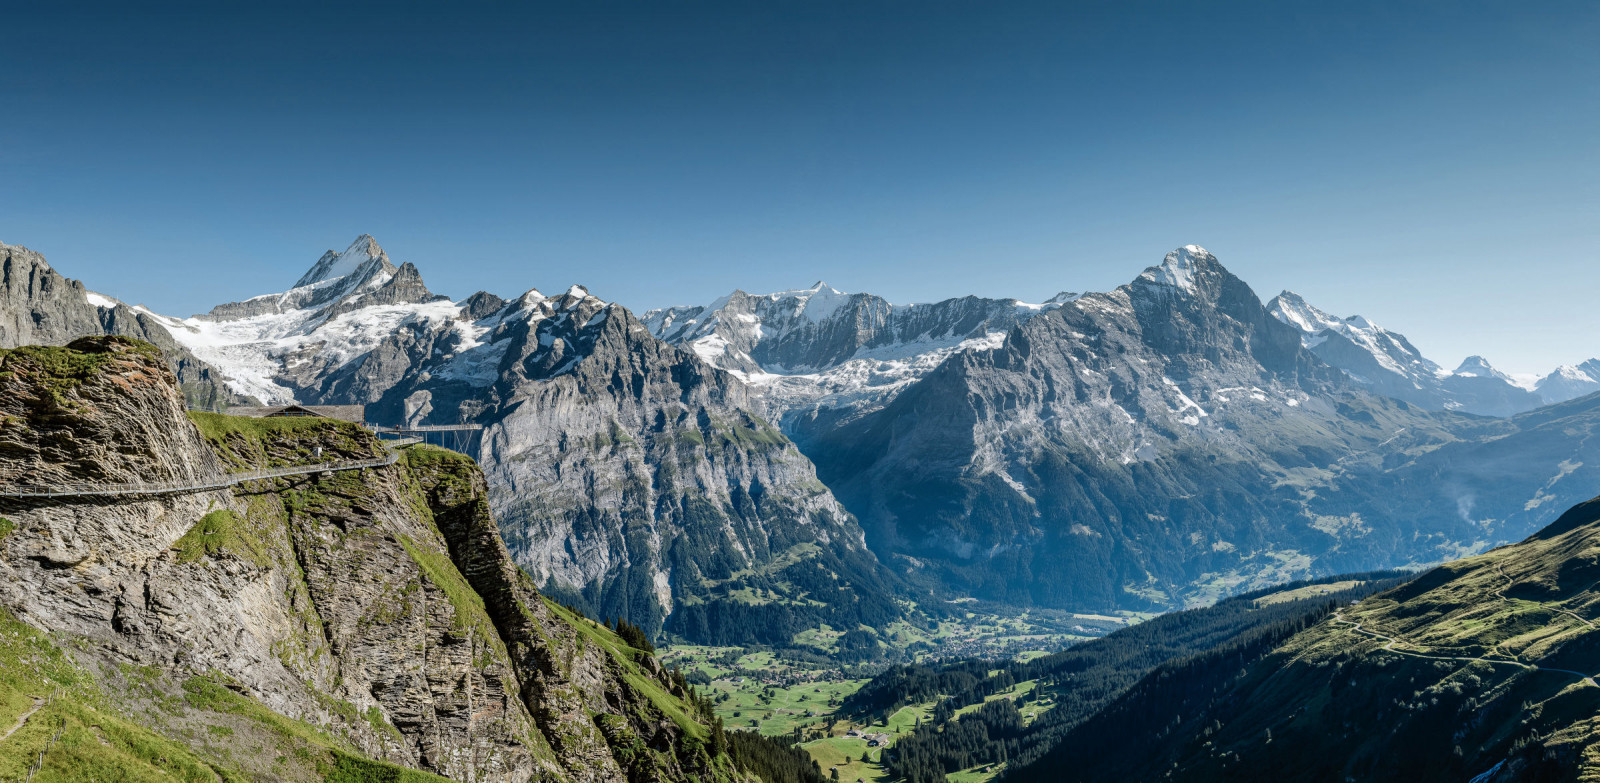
(1430, 165)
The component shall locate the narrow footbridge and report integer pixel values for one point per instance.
(99, 489)
(456, 437)
(386, 430)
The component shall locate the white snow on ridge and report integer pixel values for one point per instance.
(1479, 367)
(1524, 380)
(871, 375)
(821, 301)
(251, 351)
(1317, 324)
(255, 353)
(710, 348)
(248, 368)
(100, 300)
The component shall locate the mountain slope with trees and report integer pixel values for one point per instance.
(1482, 669)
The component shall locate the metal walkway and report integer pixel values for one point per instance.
(456, 437)
(428, 428)
(221, 482)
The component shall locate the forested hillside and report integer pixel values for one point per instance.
(1482, 669)
(1079, 681)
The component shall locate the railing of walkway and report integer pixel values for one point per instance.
(220, 482)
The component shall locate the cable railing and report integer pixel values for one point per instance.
(98, 489)
(385, 428)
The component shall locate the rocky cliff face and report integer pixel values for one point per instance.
(629, 476)
(635, 479)
(40, 307)
(641, 477)
(286, 628)
(1146, 447)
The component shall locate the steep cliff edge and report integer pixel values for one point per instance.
(345, 625)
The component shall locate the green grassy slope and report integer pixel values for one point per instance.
(1484, 665)
(81, 722)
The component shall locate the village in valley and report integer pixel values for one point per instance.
(797, 692)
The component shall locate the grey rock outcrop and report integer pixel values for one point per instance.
(38, 306)
(637, 479)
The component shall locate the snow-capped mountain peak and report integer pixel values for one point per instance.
(333, 265)
(1180, 267)
(1389, 364)
(1292, 309)
(1569, 382)
(1479, 367)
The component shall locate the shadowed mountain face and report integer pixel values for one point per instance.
(1479, 670)
(1501, 480)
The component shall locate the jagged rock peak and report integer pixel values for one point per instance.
(1292, 308)
(481, 305)
(335, 265)
(19, 250)
(1183, 269)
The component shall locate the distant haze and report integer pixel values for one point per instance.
(1430, 166)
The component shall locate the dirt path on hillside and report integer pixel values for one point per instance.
(1390, 642)
(38, 704)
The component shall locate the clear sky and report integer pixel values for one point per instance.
(1431, 165)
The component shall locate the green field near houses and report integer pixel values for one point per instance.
(761, 690)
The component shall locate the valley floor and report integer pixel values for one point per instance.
(779, 693)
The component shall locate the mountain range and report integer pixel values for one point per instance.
(766, 471)
(741, 471)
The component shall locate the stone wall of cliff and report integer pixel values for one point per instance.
(284, 628)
